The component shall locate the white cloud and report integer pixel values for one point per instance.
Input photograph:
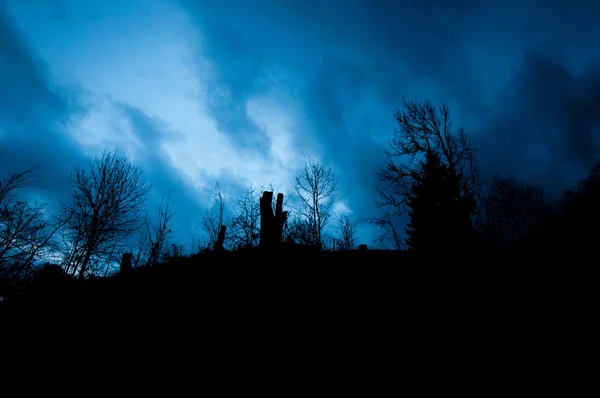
(340, 207)
(274, 115)
(104, 127)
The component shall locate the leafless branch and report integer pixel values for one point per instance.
(158, 229)
(346, 239)
(513, 207)
(245, 223)
(214, 218)
(422, 128)
(316, 187)
(14, 181)
(26, 230)
(298, 230)
(106, 208)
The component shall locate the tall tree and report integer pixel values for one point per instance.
(106, 208)
(439, 214)
(316, 187)
(423, 128)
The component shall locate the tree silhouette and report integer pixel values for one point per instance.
(26, 231)
(316, 187)
(214, 220)
(105, 209)
(423, 128)
(153, 244)
(439, 213)
(513, 208)
(581, 211)
(272, 220)
(298, 230)
(346, 228)
(245, 222)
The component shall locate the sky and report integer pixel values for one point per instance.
(241, 91)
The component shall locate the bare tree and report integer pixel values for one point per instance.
(143, 248)
(26, 230)
(214, 220)
(513, 207)
(422, 128)
(316, 188)
(297, 230)
(173, 251)
(158, 229)
(24, 234)
(105, 210)
(391, 234)
(9, 184)
(346, 228)
(245, 223)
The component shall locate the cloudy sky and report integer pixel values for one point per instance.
(240, 91)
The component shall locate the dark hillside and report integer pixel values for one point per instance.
(281, 281)
(298, 304)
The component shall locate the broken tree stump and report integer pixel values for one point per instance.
(280, 218)
(221, 238)
(271, 224)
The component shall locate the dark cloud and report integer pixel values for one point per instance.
(351, 65)
(34, 113)
(545, 128)
(542, 127)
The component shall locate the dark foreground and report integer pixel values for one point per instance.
(325, 283)
(358, 310)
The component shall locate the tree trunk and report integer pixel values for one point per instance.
(89, 248)
(125, 263)
(86, 260)
(221, 237)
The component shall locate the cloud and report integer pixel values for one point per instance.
(164, 176)
(350, 67)
(151, 94)
(240, 91)
(547, 130)
(34, 112)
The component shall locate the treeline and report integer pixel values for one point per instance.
(430, 179)
(431, 200)
(106, 216)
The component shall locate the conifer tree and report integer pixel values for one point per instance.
(439, 214)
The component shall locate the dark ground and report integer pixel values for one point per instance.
(322, 282)
(305, 316)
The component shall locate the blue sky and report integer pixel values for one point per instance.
(241, 91)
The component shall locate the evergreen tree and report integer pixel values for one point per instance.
(439, 215)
